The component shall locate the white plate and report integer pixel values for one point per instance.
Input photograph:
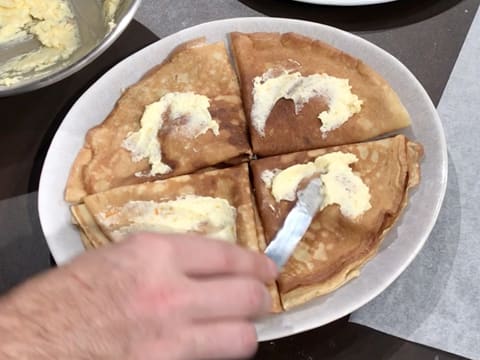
(345, 2)
(399, 247)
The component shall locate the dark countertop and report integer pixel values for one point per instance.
(425, 35)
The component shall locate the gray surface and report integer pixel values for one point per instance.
(164, 17)
(436, 301)
(20, 239)
(416, 45)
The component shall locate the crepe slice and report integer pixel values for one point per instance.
(336, 246)
(326, 97)
(190, 110)
(216, 204)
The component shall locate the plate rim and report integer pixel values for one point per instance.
(345, 2)
(269, 21)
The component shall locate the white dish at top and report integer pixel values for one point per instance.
(399, 247)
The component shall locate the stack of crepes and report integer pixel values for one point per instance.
(191, 148)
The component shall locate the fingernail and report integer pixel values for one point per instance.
(273, 269)
(268, 301)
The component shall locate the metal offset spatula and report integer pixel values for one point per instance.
(296, 223)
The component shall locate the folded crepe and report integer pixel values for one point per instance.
(300, 94)
(185, 114)
(336, 246)
(217, 204)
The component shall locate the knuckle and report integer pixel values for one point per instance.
(165, 301)
(135, 239)
(227, 260)
(173, 299)
(135, 244)
(147, 254)
(155, 246)
(165, 249)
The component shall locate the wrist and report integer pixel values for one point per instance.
(26, 321)
(16, 334)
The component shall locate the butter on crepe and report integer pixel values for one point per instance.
(378, 109)
(98, 216)
(194, 67)
(335, 247)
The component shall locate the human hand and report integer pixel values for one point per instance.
(149, 297)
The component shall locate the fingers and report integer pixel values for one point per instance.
(197, 256)
(207, 300)
(220, 340)
(200, 257)
(222, 298)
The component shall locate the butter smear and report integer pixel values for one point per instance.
(212, 217)
(340, 185)
(188, 111)
(269, 88)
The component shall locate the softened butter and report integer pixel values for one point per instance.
(209, 216)
(268, 89)
(189, 107)
(340, 185)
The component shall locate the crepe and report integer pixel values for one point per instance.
(99, 223)
(335, 247)
(258, 53)
(90, 233)
(104, 163)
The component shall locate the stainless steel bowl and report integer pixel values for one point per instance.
(95, 38)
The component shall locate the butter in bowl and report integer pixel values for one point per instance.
(44, 41)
